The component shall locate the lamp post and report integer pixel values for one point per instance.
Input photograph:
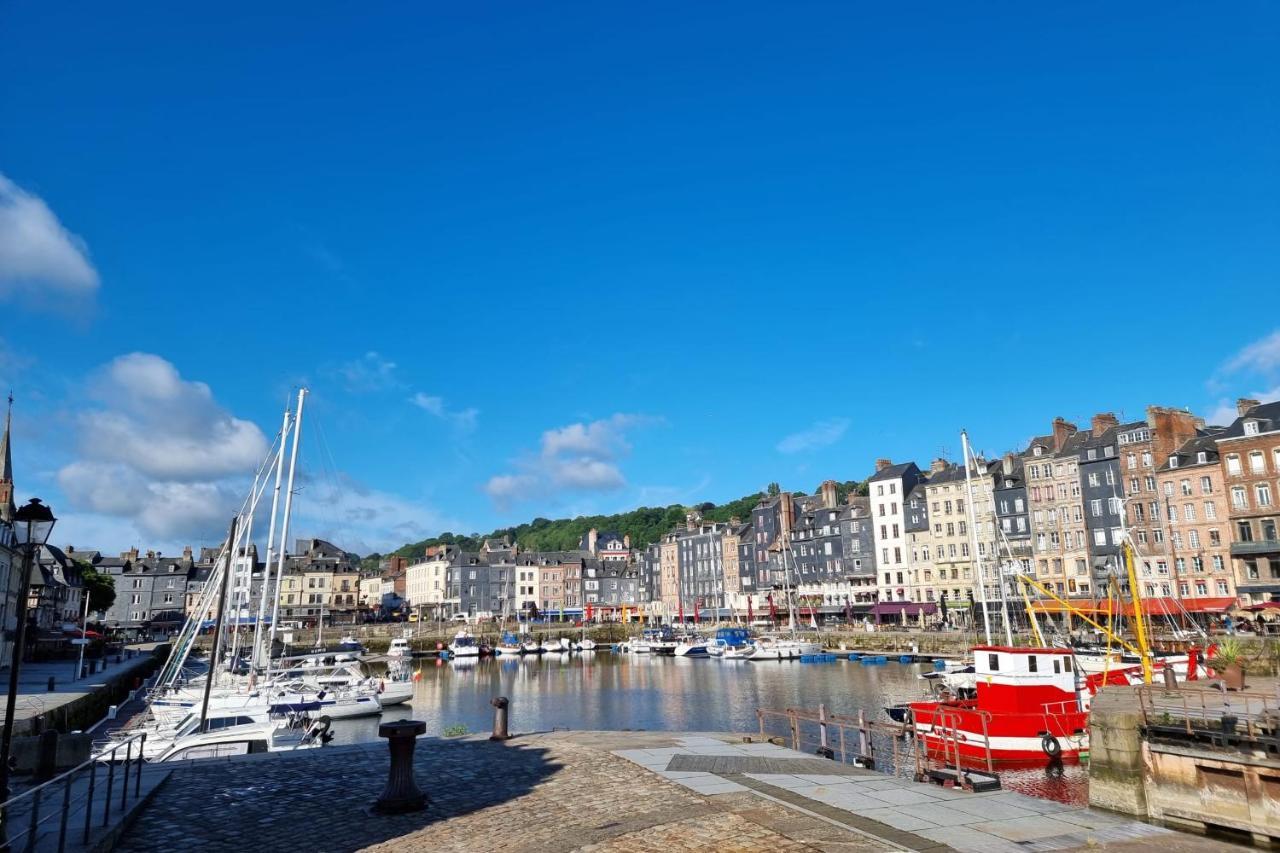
(32, 525)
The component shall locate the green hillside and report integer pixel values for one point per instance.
(644, 525)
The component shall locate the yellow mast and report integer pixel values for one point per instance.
(1045, 591)
(1139, 618)
(1031, 616)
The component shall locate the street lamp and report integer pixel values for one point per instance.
(32, 525)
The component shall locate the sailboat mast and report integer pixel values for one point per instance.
(216, 652)
(284, 526)
(259, 633)
(980, 580)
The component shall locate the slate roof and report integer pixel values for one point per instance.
(1267, 413)
(1187, 453)
(893, 472)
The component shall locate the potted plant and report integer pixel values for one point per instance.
(1229, 662)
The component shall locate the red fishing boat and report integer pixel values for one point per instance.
(1029, 709)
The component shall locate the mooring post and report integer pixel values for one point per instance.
(823, 749)
(500, 705)
(402, 794)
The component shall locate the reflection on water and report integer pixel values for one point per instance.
(602, 690)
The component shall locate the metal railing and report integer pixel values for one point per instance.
(1199, 711)
(849, 740)
(35, 798)
(864, 742)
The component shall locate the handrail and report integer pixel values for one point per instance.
(66, 779)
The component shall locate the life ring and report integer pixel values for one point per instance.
(1050, 745)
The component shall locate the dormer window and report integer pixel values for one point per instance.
(1202, 457)
(1173, 462)
(1037, 450)
(1250, 427)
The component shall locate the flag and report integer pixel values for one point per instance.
(773, 611)
(696, 616)
(751, 616)
(589, 612)
(682, 611)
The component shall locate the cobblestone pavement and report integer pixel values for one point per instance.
(552, 792)
(618, 792)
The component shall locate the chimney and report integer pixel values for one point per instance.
(786, 512)
(592, 536)
(626, 541)
(828, 489)
(1008, 464)
(881, 464)
(186, 553)
(131, 554)
(1170, 429)
(1062, 430)
(1244, 404)
(734, 521)
(1102, 422)
(937, 466)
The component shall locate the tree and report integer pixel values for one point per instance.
(100, 588)
(774, 490)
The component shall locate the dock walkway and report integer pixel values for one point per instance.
(609, 791)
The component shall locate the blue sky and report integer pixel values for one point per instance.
(547, 260)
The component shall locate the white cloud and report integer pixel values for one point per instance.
(580, 457)
(821, 434)
(361, 519)
(464, 420)
(160, 452)
(1225, 411)
(368, 373)
(38, 256)
(1262, 356)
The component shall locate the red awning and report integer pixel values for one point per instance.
(1266, 605)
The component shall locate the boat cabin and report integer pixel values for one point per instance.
(733, 636)
(1023, 680)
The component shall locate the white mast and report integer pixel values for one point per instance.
(284, 526)
(271, 538)
(973, 540)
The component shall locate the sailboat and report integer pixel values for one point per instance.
(775, 646)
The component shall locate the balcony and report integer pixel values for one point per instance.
(1246, 549)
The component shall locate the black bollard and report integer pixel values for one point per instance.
(401, 794)
(51, 685)
(47, 760)
(500, 705)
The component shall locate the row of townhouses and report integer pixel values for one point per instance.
(500, 579)
(1197, 501)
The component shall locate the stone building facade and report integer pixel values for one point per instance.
(1249, 450)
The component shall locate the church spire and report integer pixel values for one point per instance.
(7, 508)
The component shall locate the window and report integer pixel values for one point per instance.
(1215, 538)
(1210, 510)
(1257, 464)
(1233, 465)
(1218, 563)
(1099, 537)
(1206, 486)
(1093, 478)
(993, 663)
(1132, 460)
(1238, 499)
(1095, 508)
(1194, 537)
(1173, 461)
(1149, 483)
(1262, 492)
(1146, 459)
(1032, 664)
(1250, 427)
(1222, 588)
(1244, 531)
(1269, 529)
(1168, 490)
(1185, 486)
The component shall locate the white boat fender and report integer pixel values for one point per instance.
(1050, 745)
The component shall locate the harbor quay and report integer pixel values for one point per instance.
(608, 791)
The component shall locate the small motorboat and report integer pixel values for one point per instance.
(464, 645)
(691, 646)
(399, 648)
(728, 638)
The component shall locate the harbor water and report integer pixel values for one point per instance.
(608, 691)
